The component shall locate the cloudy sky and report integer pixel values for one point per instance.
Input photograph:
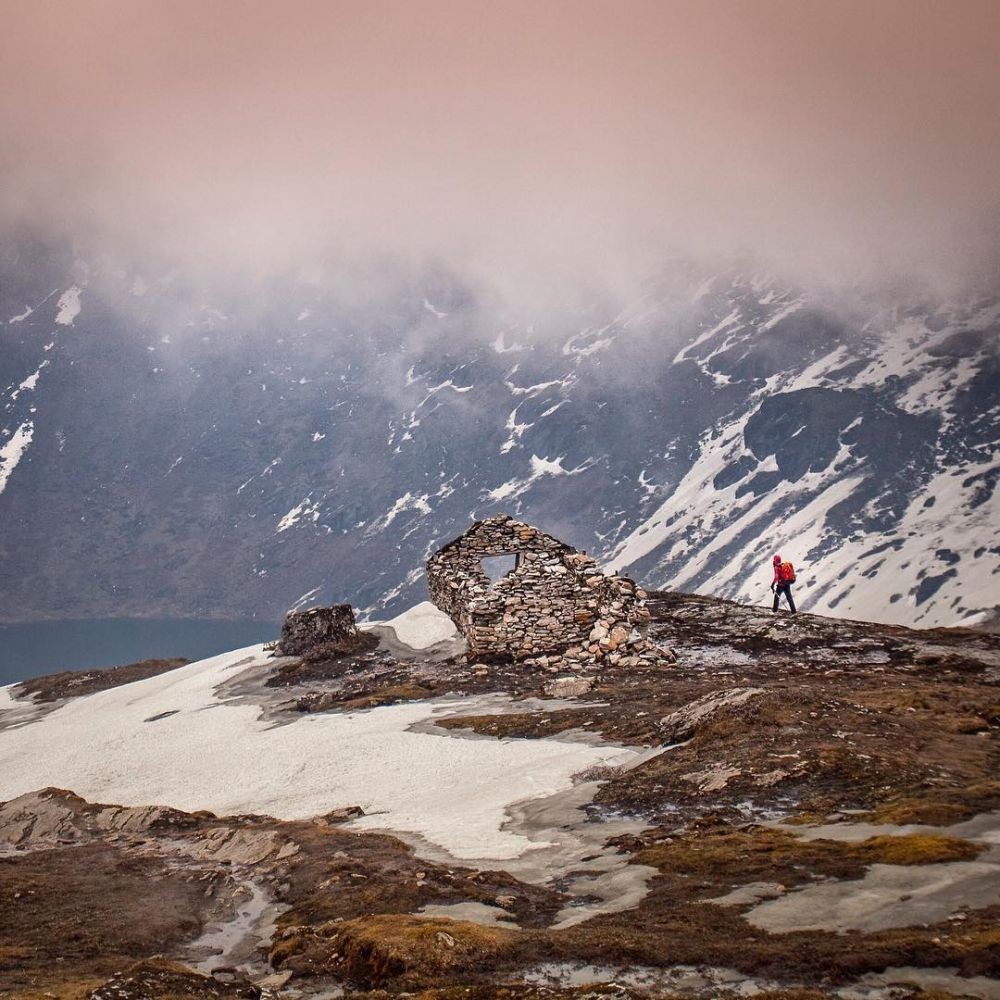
(546, 137)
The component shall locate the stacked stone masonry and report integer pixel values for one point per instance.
(555, 607)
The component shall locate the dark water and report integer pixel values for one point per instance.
(47, 647)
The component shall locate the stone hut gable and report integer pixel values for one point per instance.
(500, 535)
(555, 602)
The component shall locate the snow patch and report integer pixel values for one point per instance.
(307, 509)
(540, 467)
(502, 347)
(306, 598)
(408, 501)
(454, 792)
(600, 344)
(534, 390)
(422, 626)
(28, 310)
(786, 310)
(515, 430)
(436, 312)
(12, 451)
(6, 697)
(29, 384)
(723, 324)
(68, 306)
(547, 467)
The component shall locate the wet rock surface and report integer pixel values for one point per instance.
(780, 757)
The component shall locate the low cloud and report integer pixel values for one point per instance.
(540, 147)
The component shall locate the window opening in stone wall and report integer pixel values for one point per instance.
(497, 567)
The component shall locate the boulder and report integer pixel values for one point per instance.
(568, 687)
(327, 631)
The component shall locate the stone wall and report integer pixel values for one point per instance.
(555, 607)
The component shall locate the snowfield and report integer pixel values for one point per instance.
(421, 627)
(173, 740)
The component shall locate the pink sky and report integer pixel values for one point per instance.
(575, 137)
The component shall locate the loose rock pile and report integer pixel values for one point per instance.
(555, 608)
(321, 631)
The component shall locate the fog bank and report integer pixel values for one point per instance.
(538, 146)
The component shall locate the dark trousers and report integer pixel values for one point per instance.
(786, 589)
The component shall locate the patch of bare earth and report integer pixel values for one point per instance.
(74, 683)
(75, 915)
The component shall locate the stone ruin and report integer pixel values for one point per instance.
(329, 632)
(554, 607)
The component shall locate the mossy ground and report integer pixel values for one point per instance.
(341, 875)
(396, 948)
(725, 856)
(937, 806)
(83, 913)
(854, 722)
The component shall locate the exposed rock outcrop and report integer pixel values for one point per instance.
(157, 979)
(681, 724)
(323, 632)
(54, 817)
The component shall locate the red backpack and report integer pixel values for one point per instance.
(786, 573)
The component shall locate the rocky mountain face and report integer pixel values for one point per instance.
(173, 449)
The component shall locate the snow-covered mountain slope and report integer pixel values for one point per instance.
(173, 449)
(872, 465)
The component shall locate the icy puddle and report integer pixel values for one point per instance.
(231, 943)
(709, 983)
(171, 740)
(891, 895)
(681, 980)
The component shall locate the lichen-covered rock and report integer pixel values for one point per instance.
(555, 607)
(680, 725)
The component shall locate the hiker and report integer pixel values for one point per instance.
(784, 577)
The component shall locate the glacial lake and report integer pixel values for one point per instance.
(48, 647)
